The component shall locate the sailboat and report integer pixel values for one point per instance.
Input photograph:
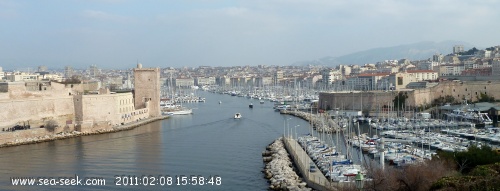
(175, 109)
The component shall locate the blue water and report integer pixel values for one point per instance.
(208, 143)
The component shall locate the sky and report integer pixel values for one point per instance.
(116, 34)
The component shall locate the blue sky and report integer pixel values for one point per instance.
(161, 33)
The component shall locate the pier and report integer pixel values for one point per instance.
(302, 161)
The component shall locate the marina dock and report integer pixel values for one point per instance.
(302, 161)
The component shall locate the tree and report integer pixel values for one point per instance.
(72, 80)
(444, 100)
(485, 98)
(51, 125)
(471, 158)
(400, 100)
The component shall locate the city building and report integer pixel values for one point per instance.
(68, 72)
(495, 67)
(21, 76)
(451, 69)
(457, 49)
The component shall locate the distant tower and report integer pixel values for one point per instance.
(93, 71)
(458, 49)
(68, 72)
(147, 89)
(42, 68)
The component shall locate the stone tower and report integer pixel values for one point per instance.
(147, 89)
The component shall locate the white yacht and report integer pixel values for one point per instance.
(237, 115)
(178, 111)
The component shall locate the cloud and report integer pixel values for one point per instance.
(105, 16)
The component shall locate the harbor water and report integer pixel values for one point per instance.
(208, 143)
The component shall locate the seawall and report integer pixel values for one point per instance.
(38, 135)
(315, 180)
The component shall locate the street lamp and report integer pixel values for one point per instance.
(359, 181)
(296, 132)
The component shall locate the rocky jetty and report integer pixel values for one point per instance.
(279, 168)
(320, 122)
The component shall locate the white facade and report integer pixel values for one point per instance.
(2, 74)
(329, 76)
(202, 81)
(21, 76)
(451, 69)
(184, 82)
(422, 75)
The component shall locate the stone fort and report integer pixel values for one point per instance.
(37, 103)
(370, 101)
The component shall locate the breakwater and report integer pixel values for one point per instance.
(279, 168)
(322, 123)
(316, 179)
(65, 135)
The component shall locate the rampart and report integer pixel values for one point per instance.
(374, 100)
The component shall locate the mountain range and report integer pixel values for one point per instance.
(416, 51)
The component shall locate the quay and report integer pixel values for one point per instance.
(302, 161)
(321, 123)
(38, 137)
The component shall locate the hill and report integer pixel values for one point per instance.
(415, 51)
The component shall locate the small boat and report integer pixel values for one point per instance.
(261, 101)
(220, 102)
(237, 115)
(250, 106)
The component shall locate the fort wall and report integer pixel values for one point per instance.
(36, 111)
(94, 112)
(374, 100)
(72, 111)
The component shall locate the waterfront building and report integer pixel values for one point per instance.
(204, 81)
(184, 82)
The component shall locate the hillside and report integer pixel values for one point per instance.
(415, 51)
